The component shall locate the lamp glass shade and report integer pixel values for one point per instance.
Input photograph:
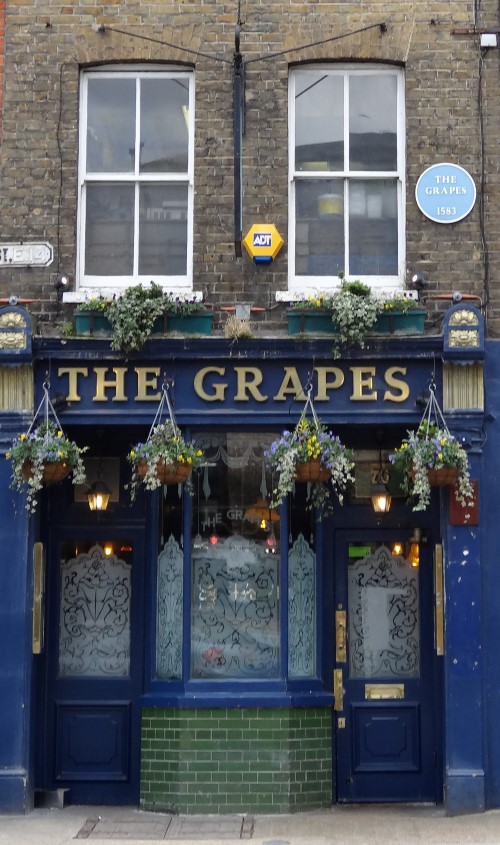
(98, 496)
(381, 499)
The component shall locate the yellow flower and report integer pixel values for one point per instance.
(199, 453)
(7, 455)
(59, 434)
(440, 456)
(190, 460)
(181, 459)
(60, 454)
(132, 453)
(23, 437)
(444, 441)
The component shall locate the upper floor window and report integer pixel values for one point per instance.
(346, 176)
(136, 178)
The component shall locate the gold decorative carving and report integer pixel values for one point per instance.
(12, 340)
(12, 319)
(463, 338)
(464, 317)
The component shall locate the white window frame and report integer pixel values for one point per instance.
(107, 285)
(300, 285)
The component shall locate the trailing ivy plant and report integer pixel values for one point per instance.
(354, 311)
(132, 316)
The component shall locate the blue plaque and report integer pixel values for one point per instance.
(445, 193)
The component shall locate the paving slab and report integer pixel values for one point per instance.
(346, 825)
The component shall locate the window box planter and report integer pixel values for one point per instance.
(401, 322)
(92, 323)
(310, 322)
(196, 323)
(398, 323)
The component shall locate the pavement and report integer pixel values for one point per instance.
(340, 825)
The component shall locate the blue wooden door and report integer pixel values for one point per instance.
(387, 738)
(94, 666)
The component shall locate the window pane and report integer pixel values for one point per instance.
(109, 231)
(319, 122)
(302, 588)
(373, 122)
(373, 228)
(235, 562)
(383, 614)
(94, 617)
(164, 125)
(111, 125)
(319, 248)
(163, 229)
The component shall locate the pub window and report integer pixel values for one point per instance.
(346, 176)
(236, 628)
(136, 178)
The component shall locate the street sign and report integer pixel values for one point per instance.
(26, 255)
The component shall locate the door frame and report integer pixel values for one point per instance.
(433, 671)
(88, 791)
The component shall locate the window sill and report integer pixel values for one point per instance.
(306, 698)
(83, 294)
(299, 295)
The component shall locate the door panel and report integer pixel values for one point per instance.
(94, 659)
(386, 720)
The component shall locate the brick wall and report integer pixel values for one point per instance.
(2, 50)
(48, 43)
(236, 761)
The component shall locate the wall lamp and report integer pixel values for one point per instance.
(380, 496)
(98, 496)
(98, 493)
(62, 283)
(418, 281)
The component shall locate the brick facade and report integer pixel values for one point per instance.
(47, 45)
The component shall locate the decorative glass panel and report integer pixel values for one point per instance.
(94, 626)
(235, 560)
(383, 614)
(235, 625)
(301, 610)
(169, 611)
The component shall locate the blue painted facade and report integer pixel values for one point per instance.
(238, 388)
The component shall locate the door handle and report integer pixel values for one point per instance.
(338, 690)
(340, 636)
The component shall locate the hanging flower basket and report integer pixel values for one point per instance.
(432, 457)
(443, 477)
(311, 471)
(311, 454)
(173, 473)
(165, 457)
(44, 455)
(51, 472)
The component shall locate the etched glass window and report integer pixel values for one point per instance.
(383, 613)
(94, 621)
(301, 609)
(235, 562)
(346, 175)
